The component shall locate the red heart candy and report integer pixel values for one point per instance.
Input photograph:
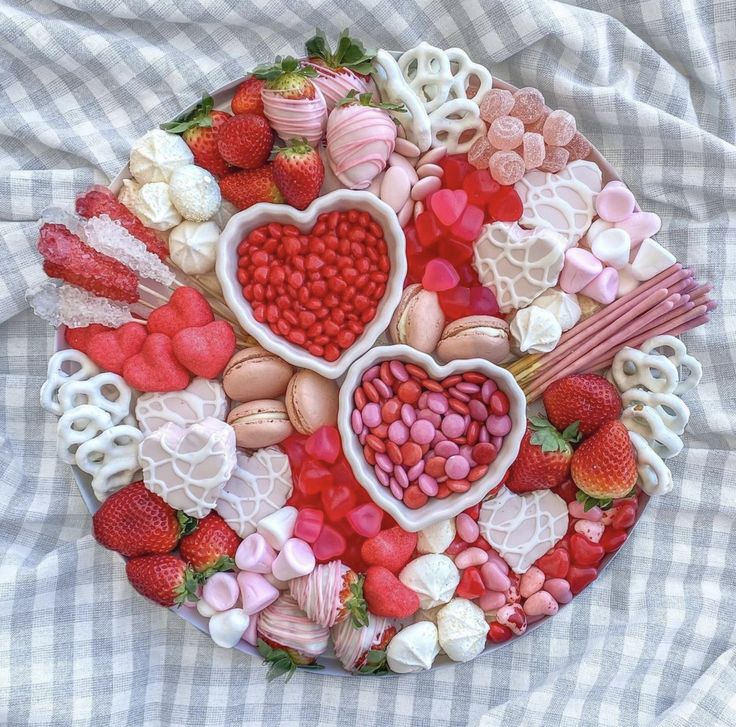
(613, 539)
(584, 552)
(206, 350)
(79, 338)
(447, 205)
(187, 308)
(578, 578)
(471, 584)
(111, 349)
(554, 564)
(155, 368)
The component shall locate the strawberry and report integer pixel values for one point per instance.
(373, 661)
(250, 186)
(282, 660)
(349, 54)
(604, 465)
(245, 141)
(391, 548)
(211, 546)
(588, 399)
(544, 457)
(298, 172)
(387, 596)
(134, 521)
(247, 98)
(200, 130)
(165, 579)
(290, 77)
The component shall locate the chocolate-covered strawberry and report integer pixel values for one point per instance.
(364, 649)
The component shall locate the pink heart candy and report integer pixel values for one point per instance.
(603, 287)
(559, 589)
(492, 600)
(221, 591)
(447, 205)
(640, 225)
(531, 582)
(256, 592)
(581, 267)
(493, 577)
(592, 531)
(254, 554)
(439, 275)
(295, 559)
(540, 603)
(615, 202)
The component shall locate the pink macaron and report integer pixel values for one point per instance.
(255, 373)
(418, 320)
(483, 337)
(260, 423)
(311, 401)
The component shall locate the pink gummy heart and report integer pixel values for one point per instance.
(79, 338)
(155, 368)
(483, 302)
(324, 444)
(448, 204)
(468, 227)
(206, 350)
(366, 519)
(187, 308)
(309, 524)
(111, 349)
(329, 545)
(640, 225)
(439, 275)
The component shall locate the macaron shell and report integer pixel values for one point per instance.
(423, 319)
(255, 373)
(311, 401)
(393, 327)
(470, 338)
(260, 423)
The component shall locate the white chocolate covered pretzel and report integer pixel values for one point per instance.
(672, 410)
(645, 421)
(426, 70)
(632, 367)
(63, 367)
(463, 71)
(679, 357)
(456, 125)
(77, 426)
(107, 391)
(655, 477)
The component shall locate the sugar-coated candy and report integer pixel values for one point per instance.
(555, 159)
(532, 149)
(497, 102)
(528, 104)
(559, 128)
(480, 153)
(506, 132)
(507, 167)
(538, 125)
(578, 147)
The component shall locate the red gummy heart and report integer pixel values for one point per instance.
(112, 348)
(337, 501)
(471, 584)
(206, 350)
(447, 205)
(366, 519)
(554, 564)
(468, 227)
(428, 229)
(455, 303)
(329, 545)
(324, 444)
(578, 578)
(456, 168)
(155, 368)
(439, 275)
(79, 338)
(387, 596)
(187, 308)
(391, 548)
(309, 524)
(583, 552)
(624, 516)
(480, 187)
(505, 205)
(613, 539)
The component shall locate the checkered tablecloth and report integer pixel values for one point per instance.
(653, 85)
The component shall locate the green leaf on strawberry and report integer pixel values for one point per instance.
(187, 590)
(201, 116)
(223, 563)
(549, 438)
(187, 523)
(349, 53)
(589, 502)
(356, 605)
(366, 99)
(280, 662)
(282, 67)
(375, 663)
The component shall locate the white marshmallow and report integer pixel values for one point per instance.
(414, 648)
(278, 527)
(626, 281)
(612, 247)
(462, 629)
(204, 608)
(295, 559)
(432, 577)
(228, 627)
(651, 259)
(436, 538)
(156, 154)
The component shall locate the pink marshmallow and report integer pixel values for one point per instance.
(581, 267)
(640, 225)
(615, 203)
(256, 592)
(254, 554)
(295, 559)
(603, 287)
(221, 591)
(251, 633)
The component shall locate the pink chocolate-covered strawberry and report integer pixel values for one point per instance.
(364, 649)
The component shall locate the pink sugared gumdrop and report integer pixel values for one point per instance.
(428, 229)
(447, 205)
(439, 275)
(555, 159)
(506, 132)
(366, 519)
(480, 153)
(537, 126)
(615, 203)
(324, 444)
(528, 104)
(483, 302)
(507, 167)
(532, 150)
(578, 147)
(559, 128)
(468, 227)
(309, 523)
(497, 102)
(329, 545)
(480, 187)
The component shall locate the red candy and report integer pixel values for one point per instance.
(314, 477)
(80, 338)
(480, 187)
(456, 168)
(324, 444)
(309, 524)
(468, 226)
(205, 351)
(337, 501)
(624, 516)
(155, 368)
(110, 349)
(330, 544)
(499, 633)
(505, 205)
(455, 303)
(187, 308)
(482, 302)
(554, 564)
(578, 578)
(583, 552)
(447, 205)
(471, 584)
(613, 539)
(366, 519)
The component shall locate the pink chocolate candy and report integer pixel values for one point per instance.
(254, 554)
(256, 592)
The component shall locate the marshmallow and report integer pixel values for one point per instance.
(612, 247)
(156, 154)
(154, 208)
(193, 246)
(63, 367)
(563, 306)
(626, 282)
(278, 527)
(228, 627)
(414, 648)
(615, 202)
(251, 633)
(295, 559)
(651, 259)
(256, 592)
(603, 287)
(580, 268)
(204, 608)
(432, 577)
(436, 538)
(106, 391)
(640, 225)
(194, 192)
(254, 554)
(462, 629)
(79, 425)
(535, 330)
(221, 591)
(594, 230)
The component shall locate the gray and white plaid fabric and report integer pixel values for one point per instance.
(653, 85)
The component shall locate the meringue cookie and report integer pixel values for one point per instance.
(535, 330)
(414, 648)
(154, 208)
(193, 246)
(128, 193)
(194, 192)
(563, 306)
(462, 629)
(432, 577)
(156, 154)
(436, 538)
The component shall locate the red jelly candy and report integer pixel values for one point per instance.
(480, 187)
(567, 491)
(584, 552)
(456, 546)
(447, 205)
(428, 229)
(624, 516)
(498, 632)
(473, 512)
(439, 275)
(329, 545)
(613, 539)
(483, 302)
(505, 205)
(457, 252)
(471, 584)
(366, 519)
(324, 444)
(468, 276)
(294, 446)
(468, 227)
(455, 303)
(578, 578)
(456, 167)
(337, 501)
(309, 522)
(314, 477)
(554, 564)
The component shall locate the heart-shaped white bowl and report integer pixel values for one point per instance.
(435, 510)
(243, 222)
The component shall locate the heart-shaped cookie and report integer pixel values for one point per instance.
(206, 350)
(110, 349)
(187, 308)
(155, 368)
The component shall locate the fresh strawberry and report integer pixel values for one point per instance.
(586, 398)
(245, 141)
(200, 130)
(298, 172)
(211, 546)
(290, 77)
(391, 548)
(604, 465)
(250, 186)
(247, 98)
(134, 521)
(165, 579)
(544, 457)
(349, 54)
(387, 596)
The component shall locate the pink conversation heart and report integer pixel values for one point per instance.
(256, 592)
(254, 554)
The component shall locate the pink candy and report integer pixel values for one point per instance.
(591, 530)
(528, 104)
(295, 559)
(578, 147)
(497, 102)
(493, 576)
(559, 589)
(555, 159)
(581, 268)
(221, 591)
(559, 128)
(255, 554)
(471, 557)
(506, 132)
(439, 275)
(480, 153)
(603, 287)
(506, 167)
(533, 150)
(540, 603)
(256, 592)
(447, 205)
(531, 581)
(467, 528)
(615, 202)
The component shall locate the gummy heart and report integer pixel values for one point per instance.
(480, 187)
(455, 303)
(337, 501)
(467, 274)
(329, 545)
(612, 539)
(314, 477)
(554, 564)
(583, 552)
(471, 584)
(456, 168)
(366, 519)
(483, 302)
(468, 227)
(505, 205)
(155, 368)
(110, 349)
(428, 229)
(458, 253)
(447, 205)
(439, 275)
(309, 524)
(624, 516)
(187, 308)
(295, 448)
(324, 444)
(498, 632)
(578, 578)
(206, 350)
(79, 338)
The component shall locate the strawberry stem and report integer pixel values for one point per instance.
(201, 116)
(282, 67)
(366, 99)
(349, 53)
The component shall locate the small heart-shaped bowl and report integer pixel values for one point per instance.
(261, 214)
(435, 509)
